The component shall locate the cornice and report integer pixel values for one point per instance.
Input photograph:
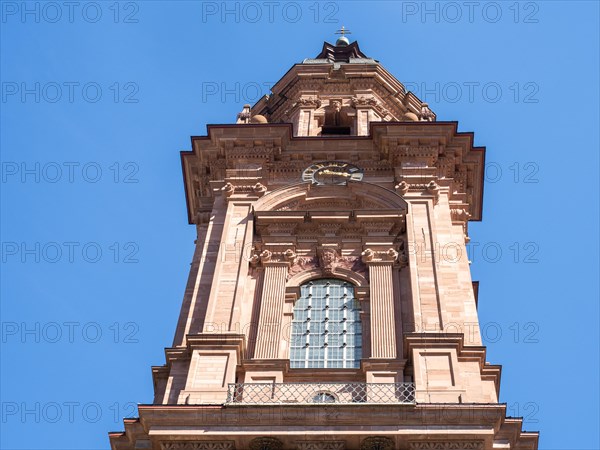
(389, 147)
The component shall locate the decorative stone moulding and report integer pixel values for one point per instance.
(329, 260)
(377, 443)
(243, 148)
(330, 229)
(445, 445)
(363, 101)
(448, 155)
(204, 445)
(266, 443)
(400, 153)
(357, 102)
(320, 445)
(277, 229)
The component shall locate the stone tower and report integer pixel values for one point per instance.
(330, 303)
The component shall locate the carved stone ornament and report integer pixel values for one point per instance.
(363, 101)
(266, 443)
(367, 255)
(402, 256)
(377, 443)
(327, 260)
(426, 113)
(260, 189)
(459, 215)
(244, 115)
(445, 445)
(228, 189)
(301, 264)
(321, 445)
(433, 188)
(265, 256)
(402, 188)
(353, 263)
(391, 255)
(254, 260)
(289, 255)
(205, 445)
(370, 101)
(308, 102)
(336, 105)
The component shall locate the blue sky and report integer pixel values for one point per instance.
(98, 98)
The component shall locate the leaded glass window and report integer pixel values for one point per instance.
(324, 397)
(326, 328)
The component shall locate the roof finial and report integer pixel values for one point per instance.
(343, 40)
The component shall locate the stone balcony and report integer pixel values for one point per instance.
(320, 393)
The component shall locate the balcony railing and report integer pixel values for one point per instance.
(320, 393)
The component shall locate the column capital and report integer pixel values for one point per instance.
(267, 258)
(381, 257)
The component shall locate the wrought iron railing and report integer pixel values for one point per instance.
(320, 393)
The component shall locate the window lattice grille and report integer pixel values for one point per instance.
(326, 328)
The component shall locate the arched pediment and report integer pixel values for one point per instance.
(352, 196)
(341, 273)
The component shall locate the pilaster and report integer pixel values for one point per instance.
(383, 328)
(212, 367)
(268, 339)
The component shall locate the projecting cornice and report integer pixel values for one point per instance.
(480, 424)
(269, 154)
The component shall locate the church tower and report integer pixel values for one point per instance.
(330, 304)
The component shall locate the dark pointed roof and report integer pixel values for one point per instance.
(340, 54)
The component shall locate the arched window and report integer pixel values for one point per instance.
(326, 329)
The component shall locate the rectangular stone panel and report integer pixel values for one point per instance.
(437, 369)
(210, 370)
